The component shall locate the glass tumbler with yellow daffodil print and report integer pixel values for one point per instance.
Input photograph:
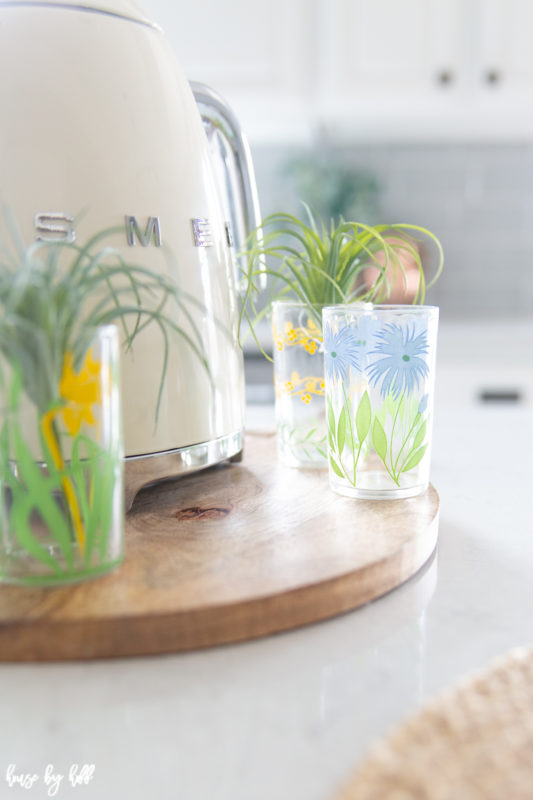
(299, 385)
(61, 499)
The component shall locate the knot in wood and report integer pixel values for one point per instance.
(197, 512)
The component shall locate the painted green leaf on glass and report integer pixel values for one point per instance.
(20, 515)
(401, 407)
(415, 459)
(381, 414)
(331, 419)
(395, 407)
(341, 430)
(379, 439)
(363, 418)
(40, 494)
(420, 435)
(335, 467)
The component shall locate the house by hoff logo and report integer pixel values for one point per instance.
(77, 775)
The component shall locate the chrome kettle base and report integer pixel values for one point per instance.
(140, 471)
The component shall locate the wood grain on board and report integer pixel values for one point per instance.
(232, 553)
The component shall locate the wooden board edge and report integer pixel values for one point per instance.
(231, 623)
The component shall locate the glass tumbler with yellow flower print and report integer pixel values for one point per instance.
(61, 462)
(299, 384)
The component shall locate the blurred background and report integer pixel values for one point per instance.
(418, 111)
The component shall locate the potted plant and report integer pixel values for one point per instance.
(311, 265)
(61, 497)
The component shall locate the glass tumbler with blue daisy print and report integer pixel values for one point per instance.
(299, 384)
(379, 375)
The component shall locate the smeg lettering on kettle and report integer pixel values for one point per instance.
(58, 226)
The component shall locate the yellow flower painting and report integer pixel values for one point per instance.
(80, 391)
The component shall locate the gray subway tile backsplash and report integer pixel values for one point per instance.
(477, 199)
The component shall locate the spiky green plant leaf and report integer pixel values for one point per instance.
(319, 265)
(54, 295)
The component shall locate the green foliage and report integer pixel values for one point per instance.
(319, 265)
(54, 295)
(331, 187)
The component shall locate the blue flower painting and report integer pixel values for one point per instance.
(423, 404)
(367, 328)
(402, 366)
(340, 353)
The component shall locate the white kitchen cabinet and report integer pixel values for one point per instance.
(389, 69)
(384, 47)
(259, 56)
(505, 54)
(240, 45)
(427, 68)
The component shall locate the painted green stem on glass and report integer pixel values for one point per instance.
(366, 422)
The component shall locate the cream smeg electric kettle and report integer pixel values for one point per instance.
(100, 129)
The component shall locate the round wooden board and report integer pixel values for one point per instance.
(235, 552)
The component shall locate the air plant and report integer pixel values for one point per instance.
(317, 265)
(54, 296)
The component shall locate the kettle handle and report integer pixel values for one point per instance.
(233, 166)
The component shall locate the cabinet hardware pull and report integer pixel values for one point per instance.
(445, 77)
(493, 76)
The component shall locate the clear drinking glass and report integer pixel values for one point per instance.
(299, 384)
(61, 467)
(379, 373)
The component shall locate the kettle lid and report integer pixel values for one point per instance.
(126, 9)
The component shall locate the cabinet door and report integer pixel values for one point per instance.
(505, 60)
(392, 69)
(389, 47)
(256, 54)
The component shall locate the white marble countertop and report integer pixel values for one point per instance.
(291, 715)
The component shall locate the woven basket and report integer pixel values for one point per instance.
(474, 742)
